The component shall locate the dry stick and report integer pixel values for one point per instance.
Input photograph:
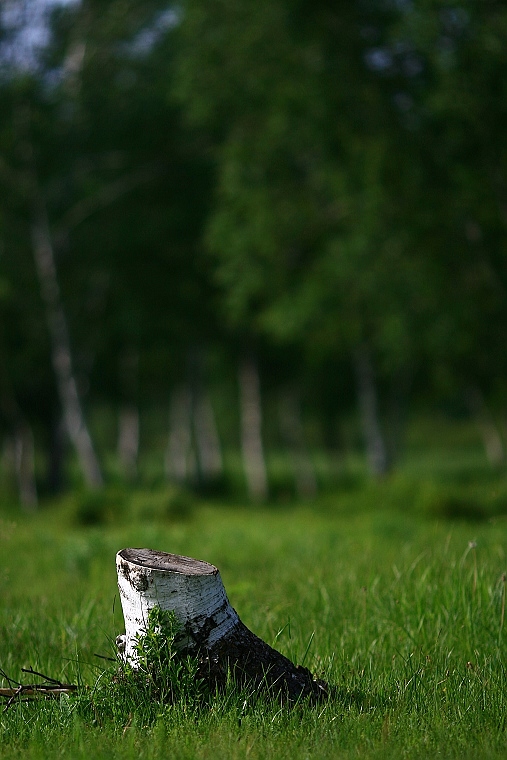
(52, 688)
(35, 690)
(16, 693)
(41, 675)
(10, 681)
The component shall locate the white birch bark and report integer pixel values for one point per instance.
(128, 440)
(193, 449)
(491, 438)
(128, 417)
(19, 446)
(191, 588)
(251, 430)
(60, 350)
(207, 441)
(376, 451)
(292, 429)
(17, 462)
(24, 461)
(179, 461)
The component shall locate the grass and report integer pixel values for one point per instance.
(402, 611)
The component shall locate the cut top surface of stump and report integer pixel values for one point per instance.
(174, 563)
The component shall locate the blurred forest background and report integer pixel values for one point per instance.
(246, 244)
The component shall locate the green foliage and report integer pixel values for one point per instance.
(158, 677)
(116, 504)
(170, 677)
(304, 179)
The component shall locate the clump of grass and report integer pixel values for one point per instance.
(159, 676)
(159, 667)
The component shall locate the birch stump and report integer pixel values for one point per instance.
(210, 627)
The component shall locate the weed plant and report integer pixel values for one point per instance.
(158, 676)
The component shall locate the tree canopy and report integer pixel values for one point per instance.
(321, 184)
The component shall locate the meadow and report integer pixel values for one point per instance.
(394, 593)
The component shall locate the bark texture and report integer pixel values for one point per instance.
(211, 628)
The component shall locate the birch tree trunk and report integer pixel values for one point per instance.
(193, 451)
(251, 430)
(204, 430)
(128, 440)
(292, 428)
(128, 417)
(376, 451)
(211, 628)
(75, 423)
(20, 442)
(180, 464)
(207, 441)
(56, 454)
(492, 440)
(18, 459)
(24, 459)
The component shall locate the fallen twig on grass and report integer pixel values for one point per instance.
(50, 688)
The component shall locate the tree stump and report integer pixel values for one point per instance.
(210, 627)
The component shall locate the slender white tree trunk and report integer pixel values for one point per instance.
(376, 451)
(60, 349)
(56, 454)
(24, 459)
(492, 440)
(20, 448)
(205, 438)
(293, 431)
(128, 417)
(193, 451)
(128, 440)
(180, 464)
(18, 459)
(207, 441)
(251, 430)
(210, 627)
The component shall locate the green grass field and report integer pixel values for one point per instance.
(403, 611)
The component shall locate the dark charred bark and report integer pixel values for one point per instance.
(255, 665)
